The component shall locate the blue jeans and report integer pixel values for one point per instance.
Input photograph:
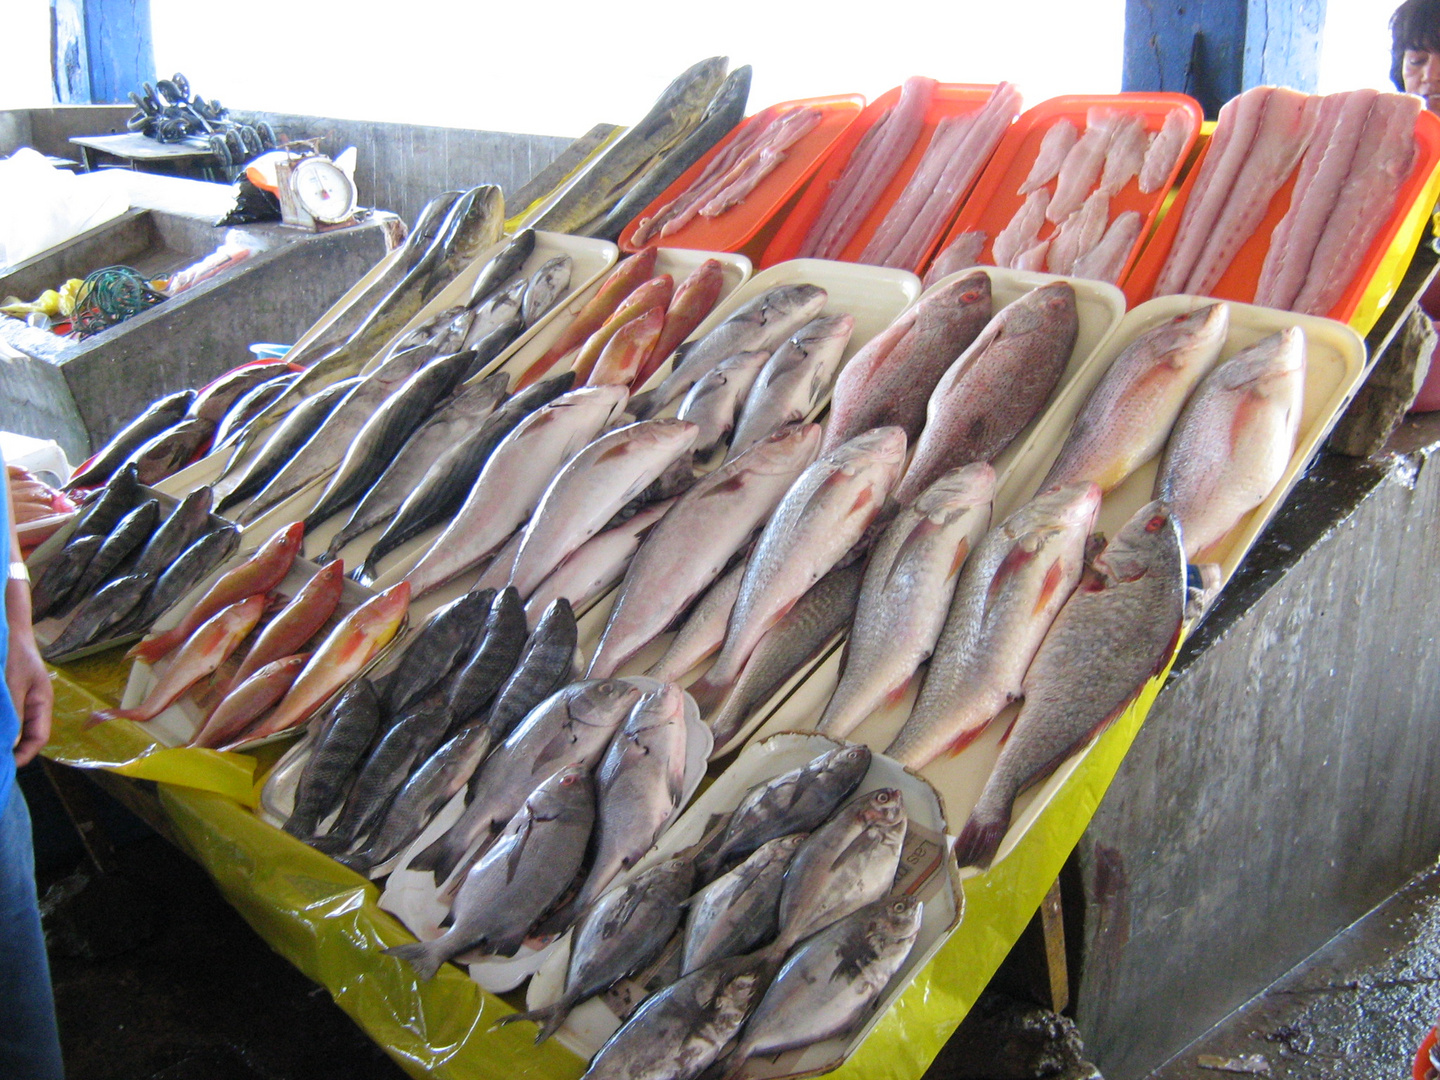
(29, 1042)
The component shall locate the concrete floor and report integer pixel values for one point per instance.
(1356, 1010)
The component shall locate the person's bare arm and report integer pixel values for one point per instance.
(25, 672)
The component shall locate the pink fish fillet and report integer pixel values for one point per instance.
(1034, 259)
(717, 166)
(1082, 165)
(1081, 231)
(1165, 150)
(701, 194)
(949, 136)
(1106, 260)
(1125, 154)
(1059, 138)
(1384, 158)
(1229, 146)
(1285, 131)
(902, 129)
(804, 122)
(1023, 229)
(843, 186)
(960, 254)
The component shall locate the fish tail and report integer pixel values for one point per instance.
(102, 715)
(364, 574)
(979, 841)
(327, 555)
(433, 858)
(547, 1017)
(642, 405)
(424, 956)
(152, 649)
(708, 696)
(302, 826)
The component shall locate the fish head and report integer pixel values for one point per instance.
(789, 302)
(824, 329)
(956, 491)
(883, 806)
(1044, 309)
(782, 848)
(847, 765)
(568, 790)
(1194, 337)
(1148, 544)
(972, 289)
(601, 702)
(899, 916)
(479, 224)
(883, 446)
(284, 543)
(1064, 507)
(658, 709)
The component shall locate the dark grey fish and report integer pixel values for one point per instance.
(213, 402)
(57, 581)
(501, 642)
(133, 530)
(502, 309)
(448, 481)
(739, 911)
(291, 434)
(248, 407)
(172, 450)
(194, 563)
(436, 648)
(114, 502)
(163, 415)
(545, 288)
(354, 719)
(795, 801)
(186, 524)
(622, 933)
(96, 615)
(505, 264)
(544, 667)
(493, 344)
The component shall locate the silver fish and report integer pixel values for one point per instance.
(545, 288)
(714, 401)
(704, 628)
(530, 865)
(173, 449)
(1116, 631)
(215, 400)
(739, 911)
(793, 381)
(501, 310)
(237, 420)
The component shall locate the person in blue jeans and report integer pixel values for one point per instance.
(29, 1041)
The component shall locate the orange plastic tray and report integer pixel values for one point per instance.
(733, 229)
(951, 99)
(995, 199)
(1379, 273)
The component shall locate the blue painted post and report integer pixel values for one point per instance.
(1213, 49)
(122, 57)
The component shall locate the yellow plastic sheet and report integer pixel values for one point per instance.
(326, 919)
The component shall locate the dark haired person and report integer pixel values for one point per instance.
(1415, 69)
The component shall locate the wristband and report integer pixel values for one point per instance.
(19, 572)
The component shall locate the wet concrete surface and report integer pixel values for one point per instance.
(1356, 1010)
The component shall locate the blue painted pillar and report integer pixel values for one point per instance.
(102, 49)
(1213, 49)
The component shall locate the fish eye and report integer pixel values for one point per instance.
(882, 798)
(1155, 524)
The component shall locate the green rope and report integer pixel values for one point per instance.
(110, 296)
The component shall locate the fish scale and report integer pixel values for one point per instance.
(435, 649)
(498, 649)
(353, 724)
(544, 666)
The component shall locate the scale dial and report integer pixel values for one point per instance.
(323, 191)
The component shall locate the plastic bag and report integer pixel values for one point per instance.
(41, 206)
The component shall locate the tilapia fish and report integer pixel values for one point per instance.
(531, 864)
(1006, 599)
(1233, 442)
(996, 387)
(909, 581)
(821, 518)
(759, 325)
(497, 650)
(1126, 418)
(793, 381)
(739, 911)
(544, 666)
(350, 729)
(545, 288)
(714, 402)
(693, 542)
(1114, 633)
(159, 417)
(890, 379)
(433, 650)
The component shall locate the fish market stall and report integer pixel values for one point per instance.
(561, 481)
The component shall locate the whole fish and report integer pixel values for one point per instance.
(797, 801)
(503, 266)
(799, 637)
(821, 518)
(444, 486)
(695, 298)
(591, 487)
(350, 729)
(832, 981)
(1006, 599)
(909, 582)
(674, 115)
(292, 433)
(297, 622)
(498, 322)
(434, 784)
(497, 651)
(158, 418)
(678, 1033)
(762, 325)
(628, 351)
(124, 540)
(544, 666)
(1233, 443)
(258, 574)
(595, 565)
(793, 381)
(172, 449)
(243, 705)
(1125, 420)
(56, 582)
(996, 387)
(202, 653)
(545, 288)
(621, 933)
(513, 481)
(447, 637)
(572, 727)
(529, 866)
(452, 423)
(1116, 631)
(97, 614)
(722, 116)
(739, 911)
(639, 785)
(249, 406)
(703, 630)
(185, 524)
(193, 566)
(889, 381)
(694, 542)
(714, 402)
(650, 296)
(846, 863)
(215, 400)
(117, 499)
(348, 648)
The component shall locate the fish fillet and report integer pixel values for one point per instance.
(960, 254)
(1059, 138)
(1081, 231)
(1082, 166)
(1106, 260)
(1022, 231)
(949, 136)
(1165, 150)
(1125, 154)
(1034, 259)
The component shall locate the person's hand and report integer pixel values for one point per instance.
(30, 689)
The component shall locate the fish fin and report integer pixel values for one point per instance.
(979, 841)
(552, 750)
(423, 956)
(708, 696)
(965, 738)
(1009, 728)
(922, 531)
(517, 850)
(896, 694)
(852, 850)
(548, 1017)
(431, 858)
(364, 574)
(1016, 559)
(1050, 586)
(152, 649)
(961, 554)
